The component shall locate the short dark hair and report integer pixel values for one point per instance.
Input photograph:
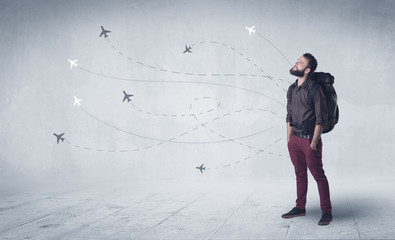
(312, 62)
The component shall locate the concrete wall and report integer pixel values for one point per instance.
(143, 55)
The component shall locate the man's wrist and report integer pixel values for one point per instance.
(315, 141)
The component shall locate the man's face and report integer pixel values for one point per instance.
(299, 68)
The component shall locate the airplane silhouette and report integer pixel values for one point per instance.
(59, 137)
(72, 63)
(127, 96)
(201, 168)
(77, 101)
(187, 49)
(104, 32)
(251, 30)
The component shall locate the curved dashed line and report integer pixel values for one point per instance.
(271, 43)
(249, 60)
(174, 138)
(183, 82)
(164, 70)
(161, 141)
(192, 74)
(179, 115)
(245, 159)
(241, 143)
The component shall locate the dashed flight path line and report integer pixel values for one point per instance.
(275, 80)
(181, 114)
(212, 74)
(172, 140)
(245, 159)
(218, 118)
(278, 50)
(180, 82)
(235, 140)
(241, 144)
(242, 55)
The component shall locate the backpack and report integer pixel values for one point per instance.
(325, 80)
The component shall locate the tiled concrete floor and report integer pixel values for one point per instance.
(196, 211)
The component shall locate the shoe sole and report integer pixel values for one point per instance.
(324, 223)
(296, 215)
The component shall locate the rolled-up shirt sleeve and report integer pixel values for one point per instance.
(321, 111)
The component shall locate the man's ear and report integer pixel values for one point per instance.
(307, 70)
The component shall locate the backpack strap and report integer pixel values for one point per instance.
(308, 125)
(311, 95)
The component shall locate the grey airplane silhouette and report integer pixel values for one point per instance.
(201, 168)
(126, 97)
(187, 49)
(59, 137)
(104, 32)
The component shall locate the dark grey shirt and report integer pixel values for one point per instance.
(298, 109)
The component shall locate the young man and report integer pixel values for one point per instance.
(304, 128)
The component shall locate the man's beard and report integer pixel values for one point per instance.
(298, 73)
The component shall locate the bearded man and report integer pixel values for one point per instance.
(304, 129)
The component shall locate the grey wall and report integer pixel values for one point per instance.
(354, 40)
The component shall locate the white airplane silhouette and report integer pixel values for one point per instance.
(251, 30)
(72, 63)
(77, 101)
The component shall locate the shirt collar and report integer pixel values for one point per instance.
(305, 84)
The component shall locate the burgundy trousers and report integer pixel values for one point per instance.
(303, 157)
